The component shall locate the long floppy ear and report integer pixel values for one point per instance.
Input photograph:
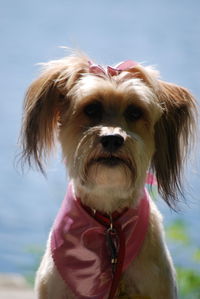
(44, 100)
(173, 134)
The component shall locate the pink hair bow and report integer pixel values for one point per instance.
(112, 71)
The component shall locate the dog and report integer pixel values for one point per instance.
(115, 125)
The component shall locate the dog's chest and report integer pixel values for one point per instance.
(79, 247)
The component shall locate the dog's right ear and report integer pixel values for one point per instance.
(44, 100)
(174, 135)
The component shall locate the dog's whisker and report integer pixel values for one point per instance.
(135, 137)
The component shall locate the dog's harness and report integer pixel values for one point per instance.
(92, 250)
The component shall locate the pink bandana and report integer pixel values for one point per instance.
(80, 251)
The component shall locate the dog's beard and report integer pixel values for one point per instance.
(110, 172)
(96, 168)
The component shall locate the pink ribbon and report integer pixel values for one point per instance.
(111, 71)
(151, 179)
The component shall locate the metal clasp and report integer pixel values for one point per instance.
(112, 241)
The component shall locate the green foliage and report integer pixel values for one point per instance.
(189, 283)
(196, 255)
(177, 231)
(188, 279)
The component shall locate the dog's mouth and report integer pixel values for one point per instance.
(109, 161)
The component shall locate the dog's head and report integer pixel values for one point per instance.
(113, 126)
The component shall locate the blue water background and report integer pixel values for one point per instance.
(161, 33)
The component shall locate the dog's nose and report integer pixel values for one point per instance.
(112, 143)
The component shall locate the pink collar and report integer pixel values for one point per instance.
(80, 248)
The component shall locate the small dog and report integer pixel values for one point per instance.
(114, 124)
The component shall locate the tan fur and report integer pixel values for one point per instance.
(55, 108)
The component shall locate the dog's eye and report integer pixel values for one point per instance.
(93, 110)
(133, 113)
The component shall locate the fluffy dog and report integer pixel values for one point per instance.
(114, 124)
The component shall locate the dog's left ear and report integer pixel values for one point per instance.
(173, 134)
(44, 100)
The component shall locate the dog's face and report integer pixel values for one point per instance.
(107, 135)
(110, 128)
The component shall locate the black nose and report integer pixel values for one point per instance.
(112, 143)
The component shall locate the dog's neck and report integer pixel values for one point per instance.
(106, 200)
(97, 249)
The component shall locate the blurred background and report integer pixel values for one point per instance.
(165, 34)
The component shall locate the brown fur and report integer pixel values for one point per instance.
(173, 135)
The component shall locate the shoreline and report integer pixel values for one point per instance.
(14, 286)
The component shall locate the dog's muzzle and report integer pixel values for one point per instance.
(110, 145)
